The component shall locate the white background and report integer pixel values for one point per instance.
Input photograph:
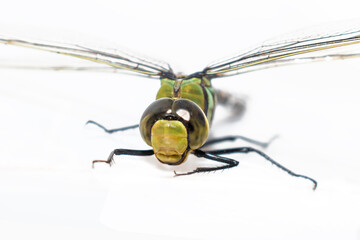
(48, 189)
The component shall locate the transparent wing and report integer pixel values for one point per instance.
(313, 47)
(61, 67)
(111, 58)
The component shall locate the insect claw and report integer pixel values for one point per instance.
(109, 161)
(95, 161)
(183, 174)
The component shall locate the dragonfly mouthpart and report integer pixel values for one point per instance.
(169, 140)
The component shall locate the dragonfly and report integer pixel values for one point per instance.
(177, 123)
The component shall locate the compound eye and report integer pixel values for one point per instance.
(156, 111)
(195, 119)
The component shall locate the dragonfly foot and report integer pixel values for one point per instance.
(109, 161)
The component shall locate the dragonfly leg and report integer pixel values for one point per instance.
(110, 159)
(246, 139)
(199, 153)
(266, 157)
(112, 130)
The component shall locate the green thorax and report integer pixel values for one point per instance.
(198, 90)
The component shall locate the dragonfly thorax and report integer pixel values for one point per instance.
(196, 89)
(174, 127)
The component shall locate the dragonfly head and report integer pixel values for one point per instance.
(174, 127)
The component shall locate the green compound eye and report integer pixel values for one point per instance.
(186, 112)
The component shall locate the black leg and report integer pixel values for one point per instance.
(246, 139)
(249, 149)
(228, 161)
(110, 159)
(112, 130)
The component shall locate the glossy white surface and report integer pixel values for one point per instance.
(49, 190)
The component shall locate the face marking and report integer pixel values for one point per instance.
(184, 114)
